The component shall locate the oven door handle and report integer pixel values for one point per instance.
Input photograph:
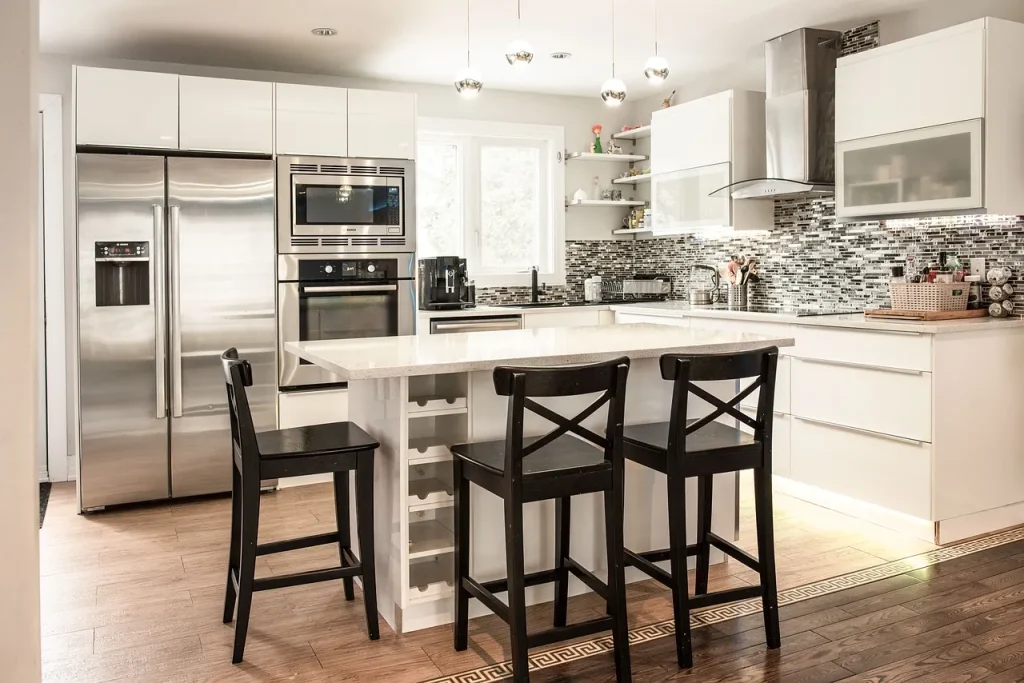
(343, 289)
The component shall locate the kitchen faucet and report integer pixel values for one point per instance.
(534, 289)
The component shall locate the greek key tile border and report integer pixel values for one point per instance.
(714, 615)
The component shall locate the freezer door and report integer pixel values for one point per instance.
(122, 333)
(222, 282)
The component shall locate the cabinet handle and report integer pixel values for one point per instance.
(868, 432)
(863, 366)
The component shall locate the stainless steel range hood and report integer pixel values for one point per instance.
(799, 118)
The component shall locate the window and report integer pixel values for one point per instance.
(489, 192)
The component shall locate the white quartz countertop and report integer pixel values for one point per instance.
(382, 357)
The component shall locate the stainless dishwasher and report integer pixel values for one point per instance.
(476, 324)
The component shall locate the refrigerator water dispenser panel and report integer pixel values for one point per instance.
(122, 273)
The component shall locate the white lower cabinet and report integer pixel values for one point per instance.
(304, 408)
(574, 317)
(622, 318)
(891, 472)
(781, 440)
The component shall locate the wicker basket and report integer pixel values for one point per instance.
(932, 296)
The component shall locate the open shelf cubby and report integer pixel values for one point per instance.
(430, 533)
(431, 578)
(434, 395)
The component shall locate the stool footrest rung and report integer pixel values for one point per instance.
(721, 597)
(535, 579)
(303, 578)
(480, 592)
(296, 543)
(562, 633)
(645, 563)
(587, 577)
(738, 554)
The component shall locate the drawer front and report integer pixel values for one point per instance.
(782, 388)
(906, 350)
(892, 402)
(305, 408)
(750, 327)
(781, 441)
(891, 473)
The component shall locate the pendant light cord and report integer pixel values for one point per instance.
(655, 28)
(613, 38)
(469, 63)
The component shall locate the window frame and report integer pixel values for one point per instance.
(469, 136)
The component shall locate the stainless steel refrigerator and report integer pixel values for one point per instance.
(176, 264)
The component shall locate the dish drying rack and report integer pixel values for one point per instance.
(639, 288)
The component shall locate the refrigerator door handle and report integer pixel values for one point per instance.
(160, 298)
(175, 298)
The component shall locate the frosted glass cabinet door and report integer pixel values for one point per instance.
(927, 170)
(680, 200)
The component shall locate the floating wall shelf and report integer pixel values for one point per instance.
(592, 156)
(635, 134)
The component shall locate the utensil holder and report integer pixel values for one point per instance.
(737, 296)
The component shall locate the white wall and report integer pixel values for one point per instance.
(19, 487)
(939, 14)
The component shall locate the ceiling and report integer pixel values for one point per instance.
(424, 41)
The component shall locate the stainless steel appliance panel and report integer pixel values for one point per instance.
(122, 393)
(221, 241)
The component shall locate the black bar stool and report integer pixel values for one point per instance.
(338, 447)
(555, 466)
(701, 448)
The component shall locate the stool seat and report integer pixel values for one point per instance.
(323, 439)
(713, 437)
(564, 455)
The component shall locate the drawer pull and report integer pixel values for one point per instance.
(868, 432)
(847, 364)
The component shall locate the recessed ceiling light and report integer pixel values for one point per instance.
(561, 55)
(324, 32)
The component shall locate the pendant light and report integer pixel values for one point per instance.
(656, 68)
(519, 52)
(613, 91)
(468, 84)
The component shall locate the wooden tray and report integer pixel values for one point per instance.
(891, 314)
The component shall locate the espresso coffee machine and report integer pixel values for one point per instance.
(444, 284)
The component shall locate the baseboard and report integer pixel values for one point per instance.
(979, 523)
(869, 512)
(289, 482)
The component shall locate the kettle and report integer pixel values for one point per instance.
(699, 294)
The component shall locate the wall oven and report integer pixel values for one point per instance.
(341, 296)
(345, 205)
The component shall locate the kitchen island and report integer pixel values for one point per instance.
(419, 395)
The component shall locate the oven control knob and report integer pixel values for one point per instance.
(328, 269)
(370, 268)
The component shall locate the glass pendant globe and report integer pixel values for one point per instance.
(468, 84)
(613, 92)
(519, 53)
(656, 70)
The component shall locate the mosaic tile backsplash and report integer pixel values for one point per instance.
(807, 258)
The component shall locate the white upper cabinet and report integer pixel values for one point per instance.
(120, 108)
(312, 120)
(932, 124)
(224, 115)
(927, 81)
(699, 147)
(381, 125)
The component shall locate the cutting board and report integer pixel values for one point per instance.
(889, 314)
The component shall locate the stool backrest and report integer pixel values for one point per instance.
(522, 385)
(684, 370)
(238, 376)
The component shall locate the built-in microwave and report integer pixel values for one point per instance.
(345, 205)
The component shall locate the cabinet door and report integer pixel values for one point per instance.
(692, 134)
(569, 318)
(311, 120)
(381, 125)
(680, 200)
(223, 115)
(929, 170)
(118, 108)
(622, 318)
(305, 408)
(927, 81)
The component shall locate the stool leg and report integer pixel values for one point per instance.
(364, 522)
(680, 584)
(341, 514)
(247, 565)
(704, 495)
(613, 523)
(563, 515)
(516, 588)
(236, 542)
(462, 516)
(766, 555)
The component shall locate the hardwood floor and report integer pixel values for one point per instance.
(136, 595)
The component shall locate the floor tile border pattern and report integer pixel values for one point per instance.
(714, 615)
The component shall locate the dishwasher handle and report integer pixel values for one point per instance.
(476, 326)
